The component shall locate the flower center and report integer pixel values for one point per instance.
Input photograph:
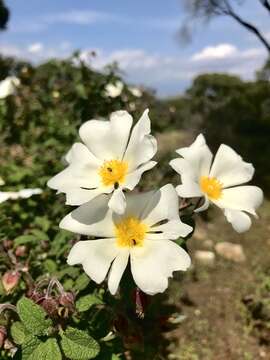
(130, 232)
(113, 172)
(211, 186)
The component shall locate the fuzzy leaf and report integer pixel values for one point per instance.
(48, 350)
(85, 302)
(19, 332)
(33, 317)
(82, 282)
(29, 347)
(78, 345)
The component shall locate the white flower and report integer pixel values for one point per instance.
(8, 86)
(14, 195)
(143, 234)
(114, 90)
(112, 159)
(217, 183)
(135, 91)
(2, 182)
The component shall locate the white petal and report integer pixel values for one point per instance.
(245, 198)
(189, 189)
(199, 141)
(204, 206)
(8, 86)
(117, 270)
(4, 196)
(172, 230)
(82, 171)
(77, 196)
(152, 264)
(229, 168)
(133, 178)
(107, 139)
(185, 169)
(142, 146)
(95, 256)
(27, 193)
(93, 218)
(240, 221)
(198, 156)
(135, 204)
(162, 206)
(117, 201)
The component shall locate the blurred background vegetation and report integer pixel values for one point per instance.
(38, 124)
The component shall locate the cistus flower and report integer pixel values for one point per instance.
(218, 182)
(8, 86)
(143, 234)
(112, 158)
(135, 91)
(114, 90)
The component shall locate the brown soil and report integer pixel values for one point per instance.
(219, 325)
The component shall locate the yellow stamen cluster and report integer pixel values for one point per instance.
(211, 187)
(113, 172)
(130, 232)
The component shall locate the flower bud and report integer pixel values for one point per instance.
(50, 305)
(20, 250)
(67, 299)
(10, 280)
(7, 244)
(3, 335)
(141, 302)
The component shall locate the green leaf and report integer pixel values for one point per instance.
(78, 345)
(82, 282)
(40, 235)
(43, 222)
(33, 317)
(24, 239)
(48, 350)
(19, 332)
(85, 302)
(115, 357)
(29, 347)
(50, 266)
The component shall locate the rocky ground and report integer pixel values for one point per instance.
(224, 300)
(222, 305)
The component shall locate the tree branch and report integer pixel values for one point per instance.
(266, 4)
(230, 12)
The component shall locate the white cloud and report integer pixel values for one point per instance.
(35, 48)
(211, 53)
(167, 73)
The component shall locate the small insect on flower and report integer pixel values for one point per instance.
(143, 234)
(113, 158)
(218, 182)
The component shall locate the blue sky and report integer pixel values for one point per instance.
(141, 36)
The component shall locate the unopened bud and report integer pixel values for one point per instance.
(67, 299)
(50, 305)
(141, 302)
(10, 280)
(3, 335)
(7, 244)
(21, 250)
